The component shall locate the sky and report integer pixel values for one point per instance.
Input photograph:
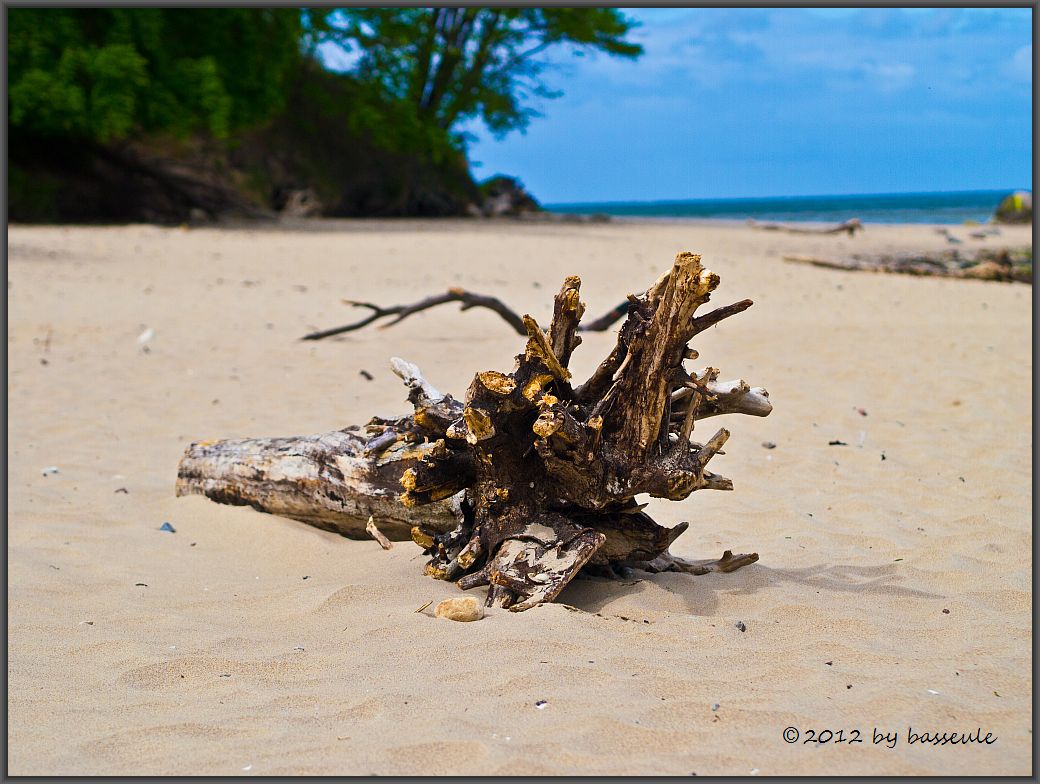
(738, 102)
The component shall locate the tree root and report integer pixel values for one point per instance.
(531, 479)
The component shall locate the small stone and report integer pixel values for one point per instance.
(740, 625)
(768, 445)
(541, 704)
(945, 611)
(715, 706)
(50, 470)
(167, 527)
(465, 609)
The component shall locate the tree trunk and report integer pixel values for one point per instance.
(542, 477)
(326, 480)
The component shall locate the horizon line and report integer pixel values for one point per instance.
(788, 197)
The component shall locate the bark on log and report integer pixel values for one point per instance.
(326, 480)
(542, 476)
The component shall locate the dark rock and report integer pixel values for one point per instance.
(506, 196)
(299, 203)
(1016, 207)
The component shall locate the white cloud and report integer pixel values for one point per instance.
(890, 77)
(1021, 65)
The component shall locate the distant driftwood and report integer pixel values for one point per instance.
(849, 227)
(1000, 265)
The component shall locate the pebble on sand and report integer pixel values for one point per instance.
(167, 527)
(740, 625)
(465, 609)
(50, 470)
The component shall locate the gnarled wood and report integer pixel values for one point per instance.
(542, 476)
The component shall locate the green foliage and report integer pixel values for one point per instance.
(362, 153)
(451, 64)
(380, 140)
(105, 74)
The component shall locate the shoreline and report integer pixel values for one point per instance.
(557, 219)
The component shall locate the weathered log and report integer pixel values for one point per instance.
(542, 477)
(1002, 264)
(326, 480)
(850, 227)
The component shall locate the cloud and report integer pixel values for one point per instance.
(889, 77)
(1020, 66)
(757, 100)
(957, 52)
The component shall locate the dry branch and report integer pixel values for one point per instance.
(469, 300)
(529, 480)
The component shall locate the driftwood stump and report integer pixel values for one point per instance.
(532, 478)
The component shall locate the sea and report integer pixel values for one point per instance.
(951, 207)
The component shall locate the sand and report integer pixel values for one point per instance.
(249, 644)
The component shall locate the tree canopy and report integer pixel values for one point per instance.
(104, 74)
(381, 137)
(452, 64)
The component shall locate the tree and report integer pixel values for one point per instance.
(106, 74)
(452, 64)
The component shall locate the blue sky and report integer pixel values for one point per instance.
(763, 102)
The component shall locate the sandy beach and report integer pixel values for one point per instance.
(893, 590)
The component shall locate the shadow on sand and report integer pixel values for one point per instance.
(701, 594)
